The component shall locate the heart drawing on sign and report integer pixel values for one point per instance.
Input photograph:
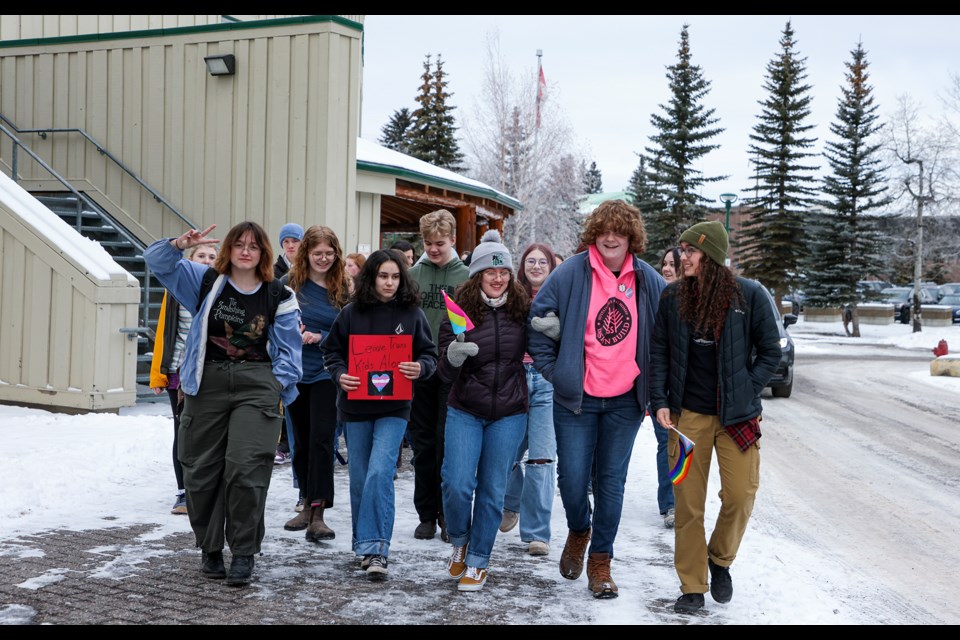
(380, 381)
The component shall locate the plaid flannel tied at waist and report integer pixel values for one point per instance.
(746, 433)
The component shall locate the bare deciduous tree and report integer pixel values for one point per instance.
(539, 166)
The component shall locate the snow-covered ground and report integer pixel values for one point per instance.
(97, 470)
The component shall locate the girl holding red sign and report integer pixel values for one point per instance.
(378, 344)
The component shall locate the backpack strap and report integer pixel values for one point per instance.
(275, 287)
(205, 285)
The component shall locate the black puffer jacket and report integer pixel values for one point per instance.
(493, 383)
(742, 373)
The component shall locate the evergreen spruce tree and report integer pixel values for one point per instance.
(849, 246)
(433, 138)
(771, 243)
(683, 130)
(396, 133)
(593, 180)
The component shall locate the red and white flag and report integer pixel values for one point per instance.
(541, 89)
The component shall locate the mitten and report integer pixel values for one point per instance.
(549, 325)
(459, 351)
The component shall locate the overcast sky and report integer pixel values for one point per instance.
(608, 72)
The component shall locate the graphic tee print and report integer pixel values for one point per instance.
(237, 325)
(613, 323)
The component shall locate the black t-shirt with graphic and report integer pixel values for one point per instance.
(700, 390)
(237, 325)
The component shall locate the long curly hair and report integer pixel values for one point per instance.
(705, 298)
(365, 291)
(336, 278)
(469, 298)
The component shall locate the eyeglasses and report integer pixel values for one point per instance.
(251, 248)
(533, 262)
(326, 255)
(689, 250)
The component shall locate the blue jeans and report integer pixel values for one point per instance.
(373, 448)
(531, 494)
(605, 428)
(477, 457)
(664, 486)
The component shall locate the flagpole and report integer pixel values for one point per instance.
(536, 136)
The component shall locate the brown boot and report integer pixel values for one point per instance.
(300, 521)
(318, 529)
(598, 576)
(571, 560)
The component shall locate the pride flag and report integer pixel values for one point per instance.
(458, 319)
(682, 467)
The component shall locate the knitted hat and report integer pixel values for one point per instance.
(490, 254)
(291, 230)
(709, 237)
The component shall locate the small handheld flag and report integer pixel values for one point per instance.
(682, 467)
(458, 319)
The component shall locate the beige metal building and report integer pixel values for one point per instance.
(124, 111)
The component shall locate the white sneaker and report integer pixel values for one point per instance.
(668, 518)
(538, 548)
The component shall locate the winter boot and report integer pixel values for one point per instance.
(689, 603)
(318, 529)
(300, 521)
(211, 565)
(241, 570)
(598, 576)
(571, 560)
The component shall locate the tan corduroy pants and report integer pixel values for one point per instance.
(739, 481)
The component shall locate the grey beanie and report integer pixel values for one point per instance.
(490, 254)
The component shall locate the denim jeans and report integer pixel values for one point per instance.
(477, 457)
(373, 448)
(664, 486)
(605, 428)
(531, 494)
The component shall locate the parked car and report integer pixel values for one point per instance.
(902, 299)
(952, 301)
(949, 289)
(795, 298)
(875, 286)
(781, 385)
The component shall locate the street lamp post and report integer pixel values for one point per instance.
(728, 199)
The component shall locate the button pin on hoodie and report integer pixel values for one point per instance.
(626, 290)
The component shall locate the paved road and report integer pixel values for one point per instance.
(864, 465)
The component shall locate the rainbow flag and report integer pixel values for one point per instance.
(458, 319)
(682, 467)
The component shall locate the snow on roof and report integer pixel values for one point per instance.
(377, 157)
(86, 254)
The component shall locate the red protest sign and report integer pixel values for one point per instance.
(375, 360)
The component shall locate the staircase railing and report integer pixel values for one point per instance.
(102, 151)
(18, 144)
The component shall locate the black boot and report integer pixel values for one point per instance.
(211, 565)
(721, 584)
(689, 603)
(241, 569)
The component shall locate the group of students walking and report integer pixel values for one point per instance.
(557, 365)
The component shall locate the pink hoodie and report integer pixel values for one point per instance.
(610, 343)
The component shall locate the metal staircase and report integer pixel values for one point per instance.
(127, 251)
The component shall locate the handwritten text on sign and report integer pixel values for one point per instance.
(375, 360)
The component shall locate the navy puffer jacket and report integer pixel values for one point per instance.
(742, 372)
(493, 383)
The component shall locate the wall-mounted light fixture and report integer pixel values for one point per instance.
(224, 65)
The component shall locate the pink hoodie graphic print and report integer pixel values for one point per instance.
(610, 343)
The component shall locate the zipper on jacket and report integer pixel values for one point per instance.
(496, 370)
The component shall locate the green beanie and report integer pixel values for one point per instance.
(709, 237)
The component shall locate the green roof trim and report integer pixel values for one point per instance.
(178, 31)
(440, 182)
